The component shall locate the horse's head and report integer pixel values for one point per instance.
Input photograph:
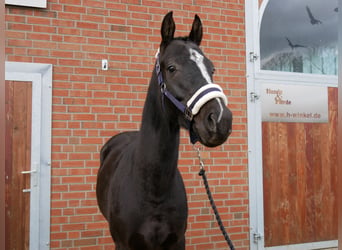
(186, 78)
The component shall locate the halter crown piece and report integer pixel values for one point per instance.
(204, 94)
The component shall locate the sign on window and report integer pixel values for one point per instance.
(294, 103)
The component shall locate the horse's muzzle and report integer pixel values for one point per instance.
(213, 123)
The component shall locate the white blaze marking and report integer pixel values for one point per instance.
(198, 59)
(221, 109)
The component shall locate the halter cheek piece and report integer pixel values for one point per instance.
(194, 104)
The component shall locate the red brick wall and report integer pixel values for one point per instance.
(90, 105)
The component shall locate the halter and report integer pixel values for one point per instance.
(199, 98)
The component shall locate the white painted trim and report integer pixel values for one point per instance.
(256, 210)
(305, 246)
(260, 13)
(41, 77)
(30, 3)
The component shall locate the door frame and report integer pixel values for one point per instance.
(2, 123)
(41, 77)
(254, 78)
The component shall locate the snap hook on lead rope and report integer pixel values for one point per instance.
(200, 160)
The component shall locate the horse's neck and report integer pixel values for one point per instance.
(158, 143)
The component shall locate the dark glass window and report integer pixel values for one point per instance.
(300, 36)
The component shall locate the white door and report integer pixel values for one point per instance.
(38, 147)
(291, 47)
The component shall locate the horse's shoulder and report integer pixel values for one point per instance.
(118, 141)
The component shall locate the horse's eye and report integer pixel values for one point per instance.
(171, 69)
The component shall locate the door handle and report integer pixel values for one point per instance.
(34, 174)
(28, 190)
(29, 172)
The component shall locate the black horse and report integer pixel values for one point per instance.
(139, 188)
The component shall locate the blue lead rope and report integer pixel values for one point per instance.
(217, 215)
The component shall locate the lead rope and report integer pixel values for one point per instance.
(212, 203)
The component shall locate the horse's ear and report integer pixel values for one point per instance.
(196, 32)
(167, 29)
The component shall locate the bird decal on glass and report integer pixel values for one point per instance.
(293, 46)
(313, 20)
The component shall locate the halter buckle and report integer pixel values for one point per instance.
(163, 88)
(188, 114)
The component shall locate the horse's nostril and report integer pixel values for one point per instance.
(212, 122)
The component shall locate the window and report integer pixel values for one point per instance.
(300, 36)
(28, 3)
